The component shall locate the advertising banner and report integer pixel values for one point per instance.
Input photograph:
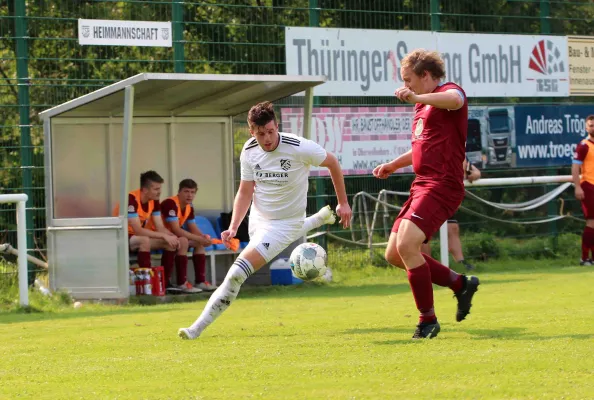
(581, 65)
(358, 62)
(547, 135)
(498, 136)
(360, 137)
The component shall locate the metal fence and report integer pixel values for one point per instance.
(42, 64)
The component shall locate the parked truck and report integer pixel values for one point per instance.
(499, 137)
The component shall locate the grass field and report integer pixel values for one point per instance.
(529, 335)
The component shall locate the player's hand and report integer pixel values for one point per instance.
(227, 235)
(406, 95)
(383, 171)
(473, 176)
(345, 214)
(579, 193)
(172, 241)
(205, 240)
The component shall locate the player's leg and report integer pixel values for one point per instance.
(249, 261)
(167, 261)
(426, 248)
(323, 217)
(409, 241)
(265, 244)
(199, 261)
(181, 267)
(455, 244)
(141, 244)
(588, 233)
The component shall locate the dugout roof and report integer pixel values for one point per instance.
(188, 95)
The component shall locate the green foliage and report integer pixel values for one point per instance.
(239, 37)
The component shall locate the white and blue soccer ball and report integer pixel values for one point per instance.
(308, 261)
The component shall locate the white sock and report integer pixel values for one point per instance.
(222, 298)
(312, 222)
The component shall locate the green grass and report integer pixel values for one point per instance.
(529, 336)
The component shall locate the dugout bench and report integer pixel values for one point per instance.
(96, 146)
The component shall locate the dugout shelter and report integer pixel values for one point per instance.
(96, 146)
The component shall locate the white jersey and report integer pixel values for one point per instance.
(280, 175)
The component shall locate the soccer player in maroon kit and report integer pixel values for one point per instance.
(438, 152)
(583, 164)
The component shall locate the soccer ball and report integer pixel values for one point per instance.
(308, 261)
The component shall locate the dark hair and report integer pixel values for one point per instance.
(589, 117)
(421, 60)
(149, 176)
(261, 114)
(187, 184)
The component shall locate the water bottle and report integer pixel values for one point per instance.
(132, 282)
(147, 283)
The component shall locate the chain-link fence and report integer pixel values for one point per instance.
(42, 64)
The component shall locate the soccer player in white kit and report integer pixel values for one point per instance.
(274, 180)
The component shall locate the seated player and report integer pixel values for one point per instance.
(145, 232)
(178, 215)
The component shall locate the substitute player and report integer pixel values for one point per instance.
(438, 151)
(583, 164)
(145, 228)
(178, 216)
(274, 180)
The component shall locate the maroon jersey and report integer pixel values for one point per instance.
(133, 207)
(439, 146)
(170, 212)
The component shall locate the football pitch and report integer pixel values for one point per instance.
(529, 335)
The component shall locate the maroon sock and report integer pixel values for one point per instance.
(199, 261)
(585, 243)
(181, 267)
(442, 275)
(588, 241)
(144, 259)
(167, 260)
(420, 283)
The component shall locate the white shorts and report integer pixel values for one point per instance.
(270, 237)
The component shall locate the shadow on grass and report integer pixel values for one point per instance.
(504, 333)
(316, 290)
(517, 333)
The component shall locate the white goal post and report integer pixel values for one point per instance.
(21, 200)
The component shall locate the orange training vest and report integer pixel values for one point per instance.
(144, 216)
(588, 165)
(182, 217)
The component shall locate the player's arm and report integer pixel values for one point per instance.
(451, 99)
(576, 169)
(403, 160)
(196, 234)
(140, 231)
(159, 226)
(471, 172)
(177, 230)
(343, 209)
(382, 171)
(474, 175)
(243, 200)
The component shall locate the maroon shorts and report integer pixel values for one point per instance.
(427, 212)
(588, 202)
